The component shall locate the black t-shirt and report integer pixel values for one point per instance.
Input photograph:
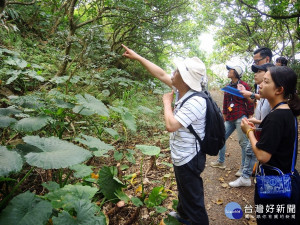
(278, 137)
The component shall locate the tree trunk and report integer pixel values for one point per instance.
(64, 65)
(2, 5)
(72, 29)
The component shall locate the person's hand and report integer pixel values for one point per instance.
(129, 53)
(241, 87)
(246, 93)
(254, 120)
(168, 98)
(246, 125)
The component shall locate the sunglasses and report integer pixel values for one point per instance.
(258, 60)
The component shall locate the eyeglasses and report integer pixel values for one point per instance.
(258, 60)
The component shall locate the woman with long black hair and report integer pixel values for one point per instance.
(277, 143)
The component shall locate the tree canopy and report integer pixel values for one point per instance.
(89, 34)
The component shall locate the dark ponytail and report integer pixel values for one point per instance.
(285, 77)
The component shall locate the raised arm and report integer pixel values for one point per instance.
(155, 70)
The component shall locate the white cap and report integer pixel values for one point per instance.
(193, 73)
(238, 69)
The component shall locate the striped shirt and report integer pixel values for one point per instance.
(182, 141)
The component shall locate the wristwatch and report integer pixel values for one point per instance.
(252, 96)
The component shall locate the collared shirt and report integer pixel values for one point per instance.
(235, 107)
(262, 108)
(182, 141)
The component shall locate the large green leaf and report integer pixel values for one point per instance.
(145, 110)
(32, 123)
(6, 121)
(95, 144)
(85, 212)
(14, 75)
(26, 209)
(67, 196)
(62, 104)
(9, 52)
(10, 61)
(109, 183)
(156, 197)
(21, 63)
(51, 185)
(82, 170)
(148, 149)
(59, 80)
(9, 111)
(55, 153)
(90, 102)
(34, 75)
(136, 201)
(112, 132)
(129, 121)
(83, 111)
(28, 101)
(10, 161)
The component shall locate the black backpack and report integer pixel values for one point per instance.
(214, 138)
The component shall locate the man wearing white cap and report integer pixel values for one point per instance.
(188, 160)
(234, 109)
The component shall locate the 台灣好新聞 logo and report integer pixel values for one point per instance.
(233, 210)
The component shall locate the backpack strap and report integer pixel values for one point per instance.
(204, 95)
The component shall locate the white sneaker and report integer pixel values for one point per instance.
(241, 182)
(239, 173)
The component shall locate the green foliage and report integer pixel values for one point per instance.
(98, 147)
(109, 183)
(54, 153)
(84, 213)
(156, 197)
(10, 161)
(171, 221)
(6, 121)
(51, 185)
(112, 132)
(9, 111)
(32, 124)
(148, 150)
(137, 202)
(127, 118)
(129, 121)
(93, 104)
(15, 70)
(26, 209)
(130, 156)
(67, 196)
(118, 155)
(82, 170)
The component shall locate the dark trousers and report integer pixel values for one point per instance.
(190, 190)
(294, 200)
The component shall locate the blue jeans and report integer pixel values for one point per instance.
(230, 126)
(250, 160)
